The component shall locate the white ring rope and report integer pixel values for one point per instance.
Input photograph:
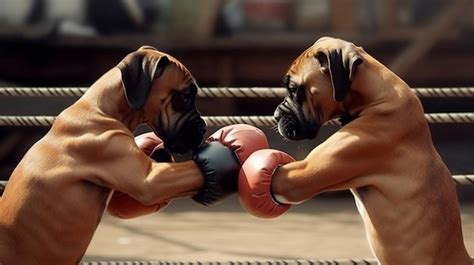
(42, 91)
(227, 92)
(268, 121)
(467, 179)
(278, 92)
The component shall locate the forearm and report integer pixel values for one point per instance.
(326, 168)
(167, 181)
(318, 172)
(293, 182)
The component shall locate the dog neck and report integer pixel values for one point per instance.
(106, 96)
(363, 98)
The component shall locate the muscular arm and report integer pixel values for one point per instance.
(124, 167)
(336, 164)
(166, 181)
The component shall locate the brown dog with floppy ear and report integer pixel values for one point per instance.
(57, 194)
(138, 73)
(384, 154)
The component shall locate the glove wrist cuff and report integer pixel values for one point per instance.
(280, 199)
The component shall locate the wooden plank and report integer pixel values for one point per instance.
(426, 40)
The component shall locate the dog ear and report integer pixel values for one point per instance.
(341, 65)
(138, 72)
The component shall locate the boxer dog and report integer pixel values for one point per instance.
(384, 154)
(57, 194)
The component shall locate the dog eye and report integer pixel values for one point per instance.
(292, 87)
(300, 95)
(190, 91)
(182, 102)
(187, 92)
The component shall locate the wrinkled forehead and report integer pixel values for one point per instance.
(173, 60)
(303, 61)
(323, 44)
(187, 76)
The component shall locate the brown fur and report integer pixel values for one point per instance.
(403, 190)
(57, 194)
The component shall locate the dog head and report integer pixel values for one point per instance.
(317, 83)
(163, 91)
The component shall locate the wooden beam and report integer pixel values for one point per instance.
(425, 41)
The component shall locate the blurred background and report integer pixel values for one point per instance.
(429, 43)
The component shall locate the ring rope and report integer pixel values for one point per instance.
(270, 262)
(278, 92)
(224, 92)
(42, 91)
(268, 121)
(467, 179)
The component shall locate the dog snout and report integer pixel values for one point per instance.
(281, 110)
(290, 128)
(201, 129)
(188, 136)
(278, 114)
(291, 123)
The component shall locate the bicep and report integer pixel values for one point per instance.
(121, 166)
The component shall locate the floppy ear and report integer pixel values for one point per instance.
(138, 72)
(341, 65)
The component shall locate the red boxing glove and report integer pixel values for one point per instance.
(244, 139)
(221, 158)
(255, 181)
(125, 207)
(147, 142)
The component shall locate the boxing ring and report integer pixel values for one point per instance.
(259, 121)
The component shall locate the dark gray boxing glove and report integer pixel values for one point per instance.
(221, 157)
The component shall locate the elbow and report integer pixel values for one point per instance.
(143, 193)
(149, 194)
(147, 191)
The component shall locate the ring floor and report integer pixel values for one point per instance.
(325, 228)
